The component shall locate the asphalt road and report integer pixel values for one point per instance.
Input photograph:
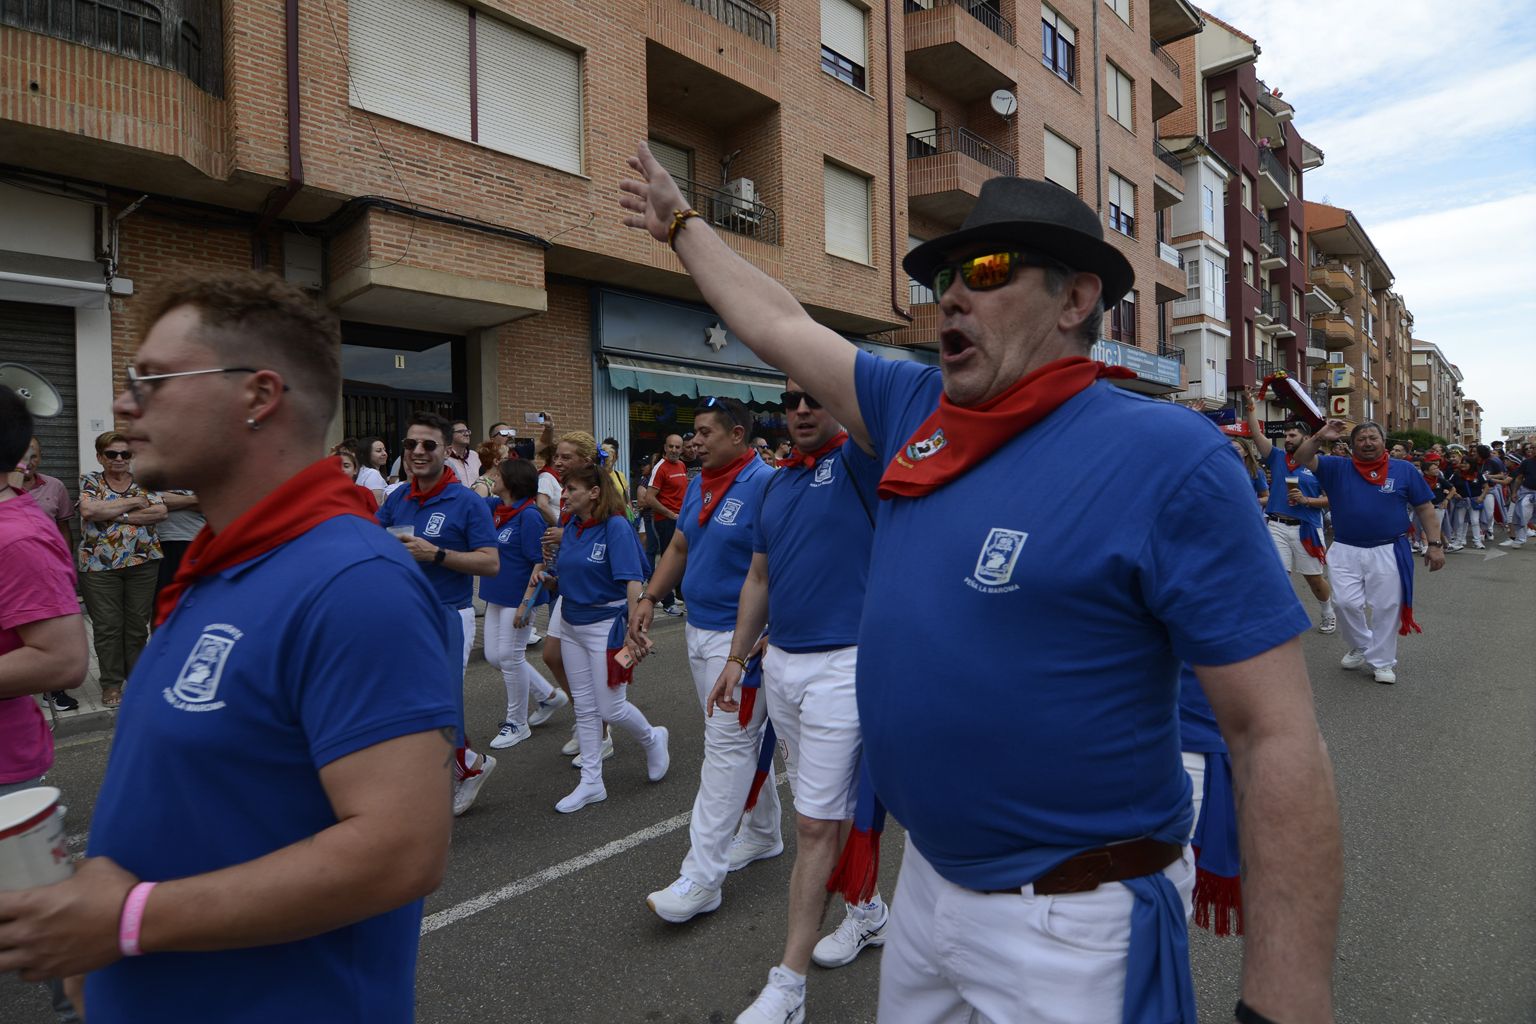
(542, 916)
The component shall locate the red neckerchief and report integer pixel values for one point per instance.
(1290, 463)
(713, 483)
(799, 458)
(307, 499)
(552, 471)
(587, 524)
(448, 477)
(501, 513)
(955, 438)
(1372, 472)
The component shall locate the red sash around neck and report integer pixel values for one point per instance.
(416, 495)
(713, 483)
(807, 461)
(587, 524)
(1290, 461)
(503, 512)
(955, 437)
(307, 499)
(1373, 472)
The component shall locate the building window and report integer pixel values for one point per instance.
(1296, 305)
(1208, 207)
(1058, 44)
(922, 130)
(1060, 161)
(1122, 8)
(1295, 179)
(1216, 284)
(1295, 242)
(1219, 110)
(1247, 191)
(1122, 205)
(1248, 262)
(1192, 280)
(843, 39)
(1122, 320)
(1119, 98)
(918, 292)
(414, 61)
(1245, 117)
(678, 162)
(845, 197)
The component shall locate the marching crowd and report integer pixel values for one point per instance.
(1064, 818)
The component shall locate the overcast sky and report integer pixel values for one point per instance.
(1426, 114)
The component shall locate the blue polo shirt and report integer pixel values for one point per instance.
(593, 565)
(1280, 500)
(1065, 632)
(517, 542)
(1367, 515)
(1198, 731)
(720, 551)
(816, 526)
(240, 698)
(455, 518)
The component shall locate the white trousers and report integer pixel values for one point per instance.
(812, 707)
(1194, 767)
(1522, 510)
(1365, 582)
(1466, 515)
(467, 620)
(953, 956)
(585, 649)
(506, 648)
(730, 760)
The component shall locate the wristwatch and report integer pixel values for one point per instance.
(645, 597)
(442, 553)
(1434, 544)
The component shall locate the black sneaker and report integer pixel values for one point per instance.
(62, 701)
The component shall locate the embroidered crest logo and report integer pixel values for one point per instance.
(824, 471)
(197, 685)
(729, 509)
(917, 451)
(434, 524)
(599, 553)
(999, 555)
(1389, 486)
(505, 535)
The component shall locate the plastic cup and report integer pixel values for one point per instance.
(32, 847)
(1293, 481)
(401, 531)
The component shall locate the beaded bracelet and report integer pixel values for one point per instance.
(678, 217)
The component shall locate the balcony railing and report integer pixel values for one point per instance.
(1317, 338)
(917, 293)
(168, 33)
(1263, 368)
(1167, 350)
(1271, 165)
(1170, 255)
(981, 10)
(1164, 56)
(1275, 309)
(954, 139)
(1166, 156)
(1269, 237)
(732, 212)
(745, 17)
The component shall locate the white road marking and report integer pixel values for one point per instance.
(1494, 554)
(487, 900)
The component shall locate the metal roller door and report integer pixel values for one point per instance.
(42, 339)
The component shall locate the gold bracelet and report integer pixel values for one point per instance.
(740, 661)
(678, 216)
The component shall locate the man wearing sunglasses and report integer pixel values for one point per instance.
(276, 803)
(447, 529)
(1057, 772)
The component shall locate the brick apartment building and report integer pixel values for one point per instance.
(443, 175)
(1241, 227)
(1437, 383)
(1471, 422)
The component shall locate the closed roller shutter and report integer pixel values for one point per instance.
(410, 61)
(847, 213)
(530, 96)
(842, 30)
(42, 338)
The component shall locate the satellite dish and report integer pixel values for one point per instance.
(42, 398)
(1004, 102)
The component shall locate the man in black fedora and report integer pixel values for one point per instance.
(1056, 773)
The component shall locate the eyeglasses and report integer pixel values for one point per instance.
(115, 455)
(792, 400)
(429, 446)
(140, 393)
(461, 430)
(988, 271)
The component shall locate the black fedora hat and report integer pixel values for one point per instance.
(1039, 216)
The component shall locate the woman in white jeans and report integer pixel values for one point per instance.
(514, 508)
(600, 573)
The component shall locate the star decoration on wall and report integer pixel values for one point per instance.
(714, 337)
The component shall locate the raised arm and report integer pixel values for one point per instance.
(1311, 446)
(759, 310)
(1255, 431)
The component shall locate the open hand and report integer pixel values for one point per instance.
(726, 693)
(653, 198)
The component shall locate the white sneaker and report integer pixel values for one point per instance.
(745, 850)
(1511, 543)
(1353, 660)
(572, 745)
(1385, 675)
(658, 758)
(862, 927)
(607, 751)
(1479, 545)
(535, 638)
(510, 736)
(546, 707)
(465, 790)
(581, 796)
(782, 1001)
(683, 901)
(1329, 624)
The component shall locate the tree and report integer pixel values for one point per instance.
(1419, 440)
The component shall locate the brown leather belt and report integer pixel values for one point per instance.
(1092, 868)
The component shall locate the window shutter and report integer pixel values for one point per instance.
(921, 119)
(847, 213)
(1060, 161)
(530, 96)
(1123, 194)
(842, 30)
(674, 158)
(410, 61)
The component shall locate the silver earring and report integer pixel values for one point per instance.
(253, 424)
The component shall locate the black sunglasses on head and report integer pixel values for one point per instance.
(792, 400)
(987, 271)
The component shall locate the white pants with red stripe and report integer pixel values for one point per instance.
(1367, 595)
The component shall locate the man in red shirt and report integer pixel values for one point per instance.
(664, 496)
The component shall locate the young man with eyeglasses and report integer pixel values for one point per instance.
(710, 554)
(664, 493)
(448, 530)
(305, 781)
(1047, 812)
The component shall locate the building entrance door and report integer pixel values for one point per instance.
(388, 374)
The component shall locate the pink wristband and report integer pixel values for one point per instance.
(130, 924)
